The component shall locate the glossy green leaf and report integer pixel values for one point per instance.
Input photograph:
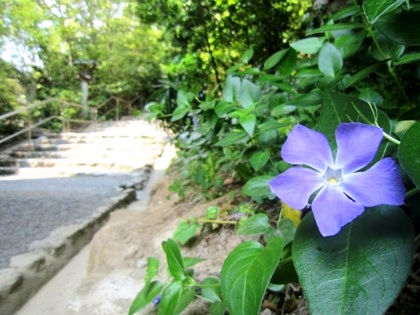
(313, 98)
(362, 269)
(255, 224)
(388, 49)
(191, 261)
(349, 44)
(274, 59)
(403, 27)
(210, 289)
(150, 289)
(334, 27)
(310, 45)
(231, 88)
(330, 61)
(223, 108)
(145, 297)
(234, 137)
(257, 187)
(152, 269)
(174, 259)
(338, 108)
(186, 230)
(259, 159)
(175, 298)
(249, 93)
(408, 58)
(283, 110)
(356, 78)
(248, 123)
(184, 98)
(246, 57)
(374, 9)
(409, 153)
(180, 113)
(246, 274)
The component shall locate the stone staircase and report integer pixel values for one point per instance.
(101, 148)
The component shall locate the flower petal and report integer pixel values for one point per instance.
(379, 185)
(333, 209)
(305, 146)
(357, 145)
(296, 185)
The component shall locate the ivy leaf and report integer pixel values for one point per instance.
(259, 159)
(246, 274)
(248, 123)
(362, 269)
(310, 45)
(256, 224)
(175, 298)
(409, 153)
(174, 259)
(374, 9)
(330, 61)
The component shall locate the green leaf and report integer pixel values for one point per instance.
(338, 108)
(180, 113)
(184, 98)
(248, 123)
(403, 27)
(191, 261)
(274, 59)
(257, 187)
(312, 98)
(334, 27)
(246, 274)
(246, 57)
(249, 93)
(231, 88)
(174, 259)
(175, 298)
(406, 59)
(330, 61)
(222, 108)
(362, 74)
(389, 49)
(145, 297)
(362, 269)
(349, 44)
(234, 137)
(310, 45)
(186, 230)
(259, 159)
(374, 9)
(210, 289)
(255, 224)
(152, 269)
(409, 153)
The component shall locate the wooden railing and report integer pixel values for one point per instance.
(112, 108)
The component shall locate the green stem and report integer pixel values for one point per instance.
(412, 192)
(391, 139)
(215, 221)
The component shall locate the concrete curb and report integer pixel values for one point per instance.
(30, 271)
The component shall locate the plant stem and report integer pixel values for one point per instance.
(215, 221)
(412, 192)
(391, 139)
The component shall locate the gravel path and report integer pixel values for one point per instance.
(31, 208)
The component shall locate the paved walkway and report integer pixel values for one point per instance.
(73, 189)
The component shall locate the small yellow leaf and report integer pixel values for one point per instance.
(290, 213)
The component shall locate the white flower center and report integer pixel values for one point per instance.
(333, 176)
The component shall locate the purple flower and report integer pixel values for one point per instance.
(341, 191)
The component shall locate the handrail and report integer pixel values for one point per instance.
(93, 111)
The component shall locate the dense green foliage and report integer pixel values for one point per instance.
(357, 64)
